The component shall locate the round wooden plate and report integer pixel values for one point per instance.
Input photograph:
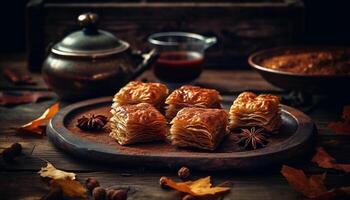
(292, 141)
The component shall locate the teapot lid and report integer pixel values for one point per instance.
(90, 41)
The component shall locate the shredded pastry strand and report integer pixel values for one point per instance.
(137, 123)
(138, 92)
(191, 96)
(251, 110)
(202, 128)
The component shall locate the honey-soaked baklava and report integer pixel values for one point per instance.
(138, 92)
(201, 128)
(251, 110)
(191, 96)
(137, 123)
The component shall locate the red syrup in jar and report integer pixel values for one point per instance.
(178, 66)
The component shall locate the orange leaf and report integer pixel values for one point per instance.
(323, 159)
(70, 188)
(17, 76)
(335, 193)
(16, 98)
(340, 127)
(36, 126)
(312, 187)
(309, 187)
(344, 125)
(200, 187)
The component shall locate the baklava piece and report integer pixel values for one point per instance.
(251, 110)
(202, 128)
(137, 123)
(191, 96)
(138, 92)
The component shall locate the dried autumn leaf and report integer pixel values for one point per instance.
(18, 76)
(340, 127)
(51, 172)
(16, 98)
(335, 193)
(310, 187)
(70, 188)
(323, 159)
(344, 125)
(36, 126)
(200, 187)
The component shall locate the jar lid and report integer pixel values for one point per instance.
(90, 41)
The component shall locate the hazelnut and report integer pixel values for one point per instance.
(8, 154)
(55, 193)
(17, 148)
(184, 173)
(91, 183)
(188, 197)
(109, 193)
(99, 193)
(120, 195)
(162, 183)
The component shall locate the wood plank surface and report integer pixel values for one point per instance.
(20, 180)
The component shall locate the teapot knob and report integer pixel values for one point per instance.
(88, 21)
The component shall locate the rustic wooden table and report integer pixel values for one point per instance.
(21, 181)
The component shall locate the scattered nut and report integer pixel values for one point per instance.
(162, 183)
(109, 194)
(99, 193)
(120, 195)
(91, 183)
(17, 148)
(54, 194)
(188, 197)
(184, 173)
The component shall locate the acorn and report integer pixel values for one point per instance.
(110, 193)
(91, 183)
(119, 195)
(184, 173)
(99, 193)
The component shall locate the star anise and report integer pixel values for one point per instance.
(92, 122)
(252, 139)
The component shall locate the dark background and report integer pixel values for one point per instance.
(327, 22)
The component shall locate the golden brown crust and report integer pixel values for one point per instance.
(191, 96)
(138, 92)
(137, 123)
(250, 110)
(201, 128)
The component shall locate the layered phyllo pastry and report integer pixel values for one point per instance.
(138, 92)
(202, 128)
(251, 110)
(191, 96)
(137, 123)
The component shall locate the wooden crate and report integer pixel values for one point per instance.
(242, 26)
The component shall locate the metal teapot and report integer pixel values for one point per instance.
(92, 62)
